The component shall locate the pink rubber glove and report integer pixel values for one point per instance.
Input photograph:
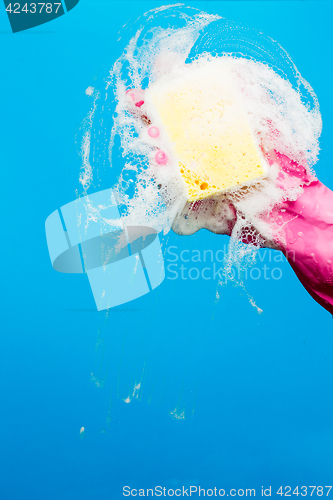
(307, 229)
(305, 234)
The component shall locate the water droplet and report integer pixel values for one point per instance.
(153, 132)
(161, 157)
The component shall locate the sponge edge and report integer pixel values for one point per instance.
(210, 138)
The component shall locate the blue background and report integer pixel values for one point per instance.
(256, 390)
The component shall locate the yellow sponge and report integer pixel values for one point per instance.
(210, 138)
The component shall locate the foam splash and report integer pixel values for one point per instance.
(172, 46)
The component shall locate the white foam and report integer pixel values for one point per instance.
(274, 108)
(281, 109)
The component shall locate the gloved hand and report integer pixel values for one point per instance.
(305, 235)
(301, 229)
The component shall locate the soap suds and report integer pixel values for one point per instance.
(175, 45)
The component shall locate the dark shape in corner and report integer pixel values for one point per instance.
(24, 15)
(70, 4)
